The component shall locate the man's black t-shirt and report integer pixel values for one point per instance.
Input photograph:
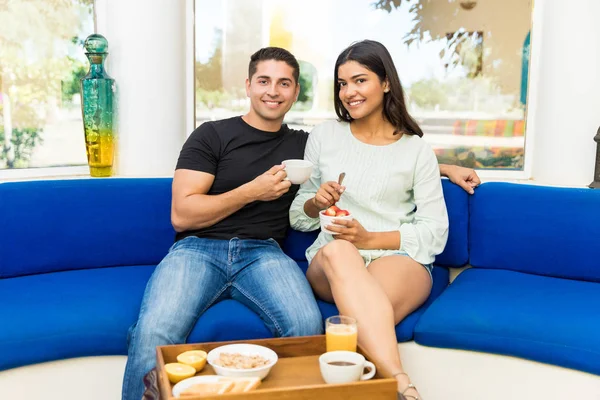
(236, 153)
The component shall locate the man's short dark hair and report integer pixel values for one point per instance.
(273, 53)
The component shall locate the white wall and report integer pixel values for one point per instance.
(147, 58)
(568, 106)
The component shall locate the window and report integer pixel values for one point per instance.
(464, 64)
(41, 63)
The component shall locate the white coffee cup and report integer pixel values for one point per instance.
(344, 367)
(298, 171)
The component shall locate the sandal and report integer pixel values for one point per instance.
(403, 396)
(409, 396)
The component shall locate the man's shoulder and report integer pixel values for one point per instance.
(216, 130)
(296, 131)
(221, 124)
(298, 134)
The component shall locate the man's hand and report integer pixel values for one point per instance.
(327, 195)
(351, 231)
(464, 177)
(270, 185)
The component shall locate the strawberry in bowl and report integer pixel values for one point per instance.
(330, 214)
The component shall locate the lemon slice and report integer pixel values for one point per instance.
(177, 371)
(193, 358)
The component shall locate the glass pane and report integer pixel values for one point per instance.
(41, 63)
(463, 63)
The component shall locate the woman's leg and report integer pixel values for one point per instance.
(338, 273)
(407, 285)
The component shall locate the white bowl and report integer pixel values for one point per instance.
(247, 350)
(328, 220)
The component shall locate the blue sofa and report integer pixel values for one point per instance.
(75, 257)
(534, 289)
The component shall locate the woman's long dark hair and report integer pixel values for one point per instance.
(375, 57)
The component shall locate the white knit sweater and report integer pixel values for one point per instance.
(388, 188)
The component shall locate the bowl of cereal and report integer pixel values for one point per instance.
(242, 360)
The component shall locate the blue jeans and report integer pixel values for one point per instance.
(196, 274)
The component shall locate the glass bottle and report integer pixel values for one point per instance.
(97, 106)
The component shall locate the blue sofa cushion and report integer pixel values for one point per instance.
(546, 319)
(85, 223)
(89, 312)
(228, 320)
(69, 314)
(541, 230)
(296, 243)
(231, 320)
(456, 252)
(404, 330)
(303, 266)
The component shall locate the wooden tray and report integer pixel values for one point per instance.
(296, 376)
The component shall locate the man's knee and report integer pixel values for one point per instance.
(130, 333)
(141, 338)
(304, 320)
(312, 324)
(156, 329)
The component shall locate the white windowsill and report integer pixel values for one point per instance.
(80, 171)
(54, 173)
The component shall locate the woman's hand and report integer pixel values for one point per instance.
(351, 231)
(328, 194)
(464, 177)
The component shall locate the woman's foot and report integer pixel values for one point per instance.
(406, 388)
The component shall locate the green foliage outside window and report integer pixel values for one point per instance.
(34, 67)
(23, 141)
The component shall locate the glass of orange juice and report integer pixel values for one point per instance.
(341, 333)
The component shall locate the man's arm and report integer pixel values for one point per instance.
(466, 178)
(193, 208)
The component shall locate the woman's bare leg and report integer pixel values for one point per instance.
(407, 285)
(338, 273)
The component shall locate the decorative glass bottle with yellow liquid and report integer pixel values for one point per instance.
(97, 106)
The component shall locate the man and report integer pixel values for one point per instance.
(230, 209)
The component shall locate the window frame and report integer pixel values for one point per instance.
(532, 103)
(532, 95)
(101, 24)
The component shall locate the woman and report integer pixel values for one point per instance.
(393, 190)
